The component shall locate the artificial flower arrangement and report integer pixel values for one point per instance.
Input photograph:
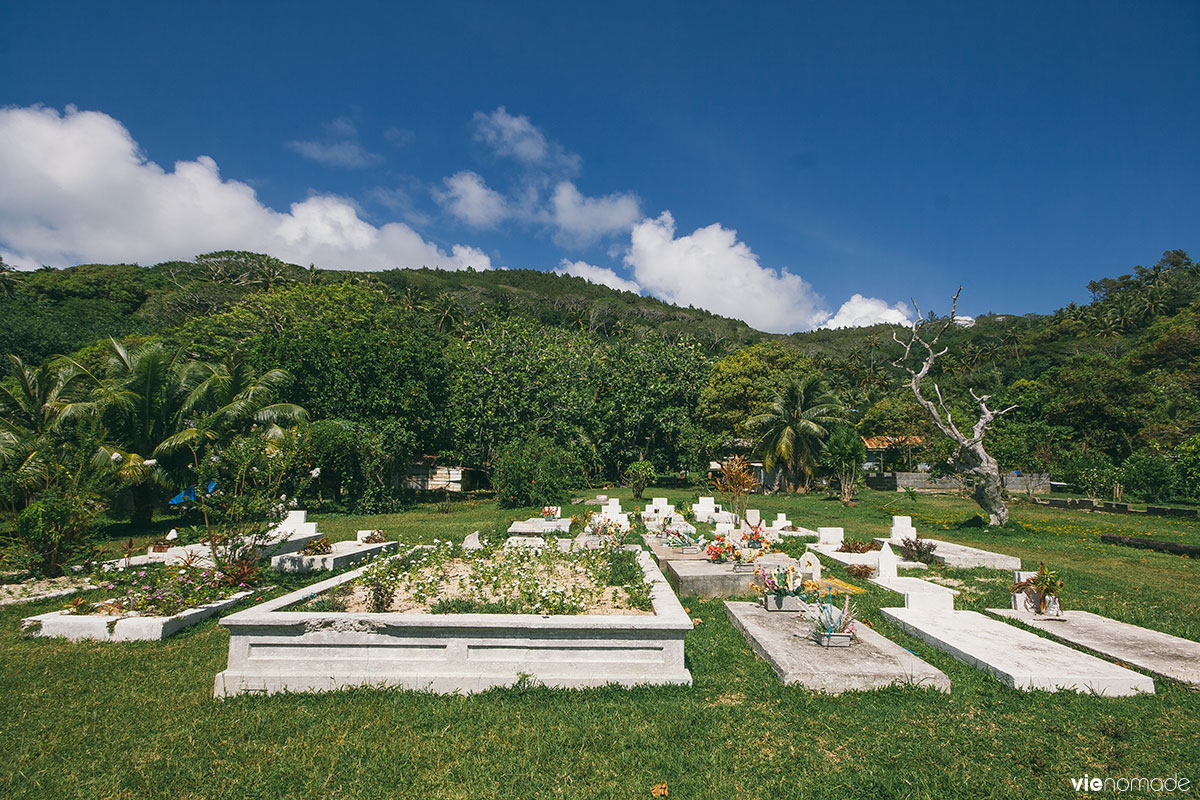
(676, 539)
(834, 627)
(755, 538)
(779, 580)
(720, 550)
(606, 527)
(783, 589)
(374, 537)
(550, 512)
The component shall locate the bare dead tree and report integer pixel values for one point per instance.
(970, 457)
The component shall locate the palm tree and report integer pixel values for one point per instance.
(8, 279)
(155, 402)
(30, 411)
(223, 400)
(794, 428)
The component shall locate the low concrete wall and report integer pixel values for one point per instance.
(925, 482)
(101, 627)
(272, 650)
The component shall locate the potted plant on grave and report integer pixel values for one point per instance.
(549, 513)
(782, 588)
(1041, 592)
(374, 537)
(160, 545)
(318, 547)
(834, 627)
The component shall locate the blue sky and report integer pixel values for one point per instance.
(767, 161)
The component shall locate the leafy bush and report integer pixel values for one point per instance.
(1091, 472)
(55, 531)
(1149, 475)
(918, 549)
(1187, 467)
(638, 476)
(534, 472)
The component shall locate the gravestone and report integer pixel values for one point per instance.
(809, 567)
(886, 565)
(902, 528)
(831, 536)
(781, 521)
(753, 516)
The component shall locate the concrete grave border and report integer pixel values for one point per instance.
(271, 650)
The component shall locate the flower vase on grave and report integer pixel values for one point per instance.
(781, 602)
(833, 639)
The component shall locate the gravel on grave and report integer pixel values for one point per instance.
(34, 589)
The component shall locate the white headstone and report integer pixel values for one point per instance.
(887, 562)
(781, 521)
(172, 535)
(902, 528)
(831, 536)
(753, 516)
(810, 567)
(724, 527)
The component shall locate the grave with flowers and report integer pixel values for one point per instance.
(448, 619)
(148, 602)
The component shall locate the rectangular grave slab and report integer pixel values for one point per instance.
(662, 554)
(78, 627)
(272, 650)
(539, 526)
(960, 556)
(920, 593)
(1170, 656)
(343, 555)
(871, 559)
(1016, 657)
(801, 532)
(702, 578)
(872, 662)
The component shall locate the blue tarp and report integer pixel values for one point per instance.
(189, 494)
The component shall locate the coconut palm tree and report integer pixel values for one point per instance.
(226, 398)
(155, 402)
(31, 408)
(794, 428)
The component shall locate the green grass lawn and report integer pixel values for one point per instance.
(138, 720)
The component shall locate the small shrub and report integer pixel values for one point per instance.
(638, 476)
(860, 571)
(918, 549)
(318, 547)
(55, 531)
(859, 546)
(1149, 475)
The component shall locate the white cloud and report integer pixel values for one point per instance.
(599, 275)
(468, 197)
(338, 148)
(859, 312)
(78, 189)
(582, 220)
(711, 269)
(515, 137)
